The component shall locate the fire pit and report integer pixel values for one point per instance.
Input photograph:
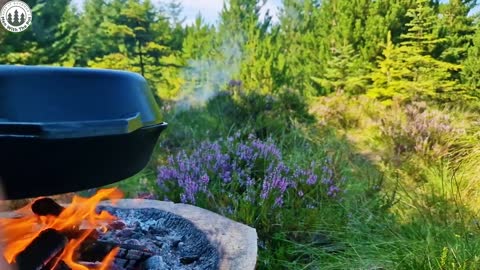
(70, 129)
(86, 235)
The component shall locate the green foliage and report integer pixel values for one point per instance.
(408, 148)
(342, 72)
(198, 41)
(420, 33)
(409, 72)
(298, 41)
(317, 48)
(457, 29)
(92, 40)
(429, 161)
(471, 70)
(48, 39)
(415, 128)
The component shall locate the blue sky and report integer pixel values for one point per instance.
(210, 8)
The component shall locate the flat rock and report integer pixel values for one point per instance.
(236, 242)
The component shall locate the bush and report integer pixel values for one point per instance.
(416, 129)
(271, 114)
(346, 112)
(251, 181)
(245, 174)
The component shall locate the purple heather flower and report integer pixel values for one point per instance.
(279, 201)
(205, 179)
(265, 190)
(332, 191)
(312, 179)
(183, 198)
(249, 181)
(252, 170)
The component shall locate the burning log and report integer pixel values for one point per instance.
(47, 207)
(74, 233)
(60, 266)
(129, 256)
(41, 250)
(95, 251)
(55, 248)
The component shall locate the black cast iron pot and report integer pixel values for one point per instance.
(71, 129)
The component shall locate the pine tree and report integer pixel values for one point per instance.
(199, 40)
(389, 78)
(343, 71)
(173, 11)
(136, 36)
(238, 20)
(383, 17)
(93, 39)
(457, 28)
(301, 38)
(49, 38)
(239, 39)
(420, 34)
(197, 50)
(471, 69)
(409, 70)
(360, 25)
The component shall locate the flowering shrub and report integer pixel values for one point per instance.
(418, 129)
(246, 175)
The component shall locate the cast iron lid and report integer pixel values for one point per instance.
(70, 129)
(58, 102)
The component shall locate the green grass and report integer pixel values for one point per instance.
(408, 211)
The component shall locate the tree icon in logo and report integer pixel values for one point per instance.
(14, 19)
(15, 16)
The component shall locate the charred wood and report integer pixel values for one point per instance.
(41, 250)
(60, 266)
(95, 251)
(47, 207)
(128, 257)
(75, 233)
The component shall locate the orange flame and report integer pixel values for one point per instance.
(18, 233)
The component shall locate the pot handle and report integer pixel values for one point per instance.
(72, 129)
(9, 129)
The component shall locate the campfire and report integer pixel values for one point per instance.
(89, 235)
(44, 235)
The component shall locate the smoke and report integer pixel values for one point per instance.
(204, 78)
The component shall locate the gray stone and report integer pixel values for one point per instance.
(155, 263)
(133, 255)
(235, 242)
(120, 262)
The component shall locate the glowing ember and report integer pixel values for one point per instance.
(18, 233)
